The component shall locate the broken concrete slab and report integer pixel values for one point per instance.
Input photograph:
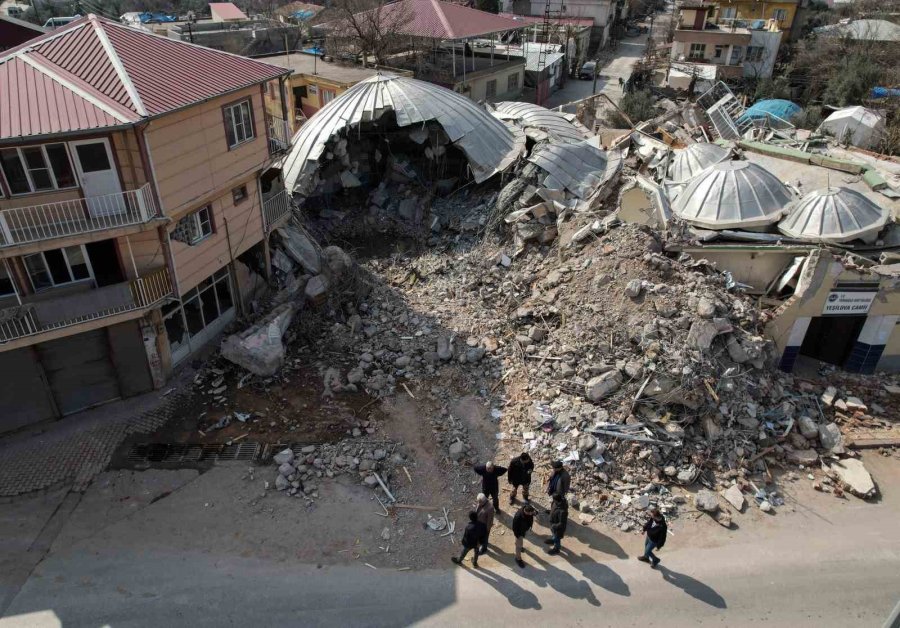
(809, 429)
(855, 478)
(603, 385)
(735, 497)
(301, 248)
(706, 501)
(829, 396)
(259, 348)
(831, 438)
(804, 457)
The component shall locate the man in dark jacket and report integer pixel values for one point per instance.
(656, 537)
(520, 469)
(559, 518)
(485, 513)
(521, 524)
(490, 481)
(473, 536)
(559, 480)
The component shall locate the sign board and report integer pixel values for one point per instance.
(848, 302)
(313, 89)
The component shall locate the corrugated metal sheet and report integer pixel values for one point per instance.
(694, 159)
(95, 85)
(33, 103)
(558, 126)
(834, 215)
(732, 195)
(487, 143)
(579, 168)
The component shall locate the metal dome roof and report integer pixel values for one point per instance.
(732, 195)
(834, 215)
(489, 146)
(539, 122)
(694, 159)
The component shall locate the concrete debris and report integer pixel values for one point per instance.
(259, 349)
(831, 438)
(854, 477)
(707, 501)
(734, 496)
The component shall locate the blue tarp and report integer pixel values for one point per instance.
(783, 109)
(147, 17)
(885, 92)
(302, 15)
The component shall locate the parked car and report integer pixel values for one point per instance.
(587, 70)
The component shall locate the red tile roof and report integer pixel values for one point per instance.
(114, 75)
(226, 11)
(559, 21)
(442, 20)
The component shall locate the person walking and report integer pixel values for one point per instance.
(471, 539)
(490, 481)
(521, 524)
(559, 481)
(519, 474)
(485, 512)
(656, 529)
(559, 519)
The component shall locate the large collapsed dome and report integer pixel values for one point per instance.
(540, 123)
(487, 144)
(834, 215)
(694, 159)
(732, 195)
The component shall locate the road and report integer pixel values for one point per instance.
(829, 562)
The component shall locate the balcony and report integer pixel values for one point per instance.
(279, 134)
(276, 209)
(39, 317)
(37, 223)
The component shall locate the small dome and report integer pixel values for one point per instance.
(732, 195)
(694, 159)
(834, 215)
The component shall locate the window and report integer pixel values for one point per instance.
(698, 51)
(239, 194)
(720, 51)
(37, 168)
(490, 90)
(58, 267)
(300, 92)
(512, 82)
(737, 53)
(239, 123)
(728, 13)
(6, 282)
(194, 227)
(780, 14)
(327, 96)
(755, 53)
(200, 307)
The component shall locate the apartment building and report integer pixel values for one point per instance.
(716, 47)
(135, 176)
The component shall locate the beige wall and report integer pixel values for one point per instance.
(757, 268)
(148, 252)
(478, 85)
(127, 154)
(190, 154)
(195, 263)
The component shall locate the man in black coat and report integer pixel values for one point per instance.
(473, 536)
(521, 524)
(559, 519)
(519, 474)
(560, 480)
(490, 481)
(656, 529)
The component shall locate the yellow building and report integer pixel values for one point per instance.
(782, 12)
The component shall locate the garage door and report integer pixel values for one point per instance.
(24, 395)
(79, 370)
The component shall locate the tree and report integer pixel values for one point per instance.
(637, 105)
(852, 83)
(368, 27)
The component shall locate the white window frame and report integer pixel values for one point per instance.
(487, 89)
(196, 340)
(755, 54)
(198, 221)
(701, 48)
(242, 130)
(328, 95)
(728, 13)
(719, 51)
(49, 167)
(53, 284)
(512, 82)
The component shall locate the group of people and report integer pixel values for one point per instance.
(487, 505)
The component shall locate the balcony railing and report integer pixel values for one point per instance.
(276, 209)
(35, 223)
(39, 317)
(279, 134)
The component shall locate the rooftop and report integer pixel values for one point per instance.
(95, 73)
(302, 63)
(226, 11)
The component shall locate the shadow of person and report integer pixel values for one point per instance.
(595, 540)
(565, 583)
(692, 587)
(599, 573)
(517, 596)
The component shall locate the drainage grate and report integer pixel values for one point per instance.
(174, 453)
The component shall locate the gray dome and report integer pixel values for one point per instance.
(834, 215)
(694, 159)
(539, 121)
(732, 195)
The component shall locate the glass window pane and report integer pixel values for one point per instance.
(204, 221)
(37, 270)
(223, 292)
(62, 168)
(77, 262)
(194, 316)
(210, 308)
(15, 173)
(175, 329)
(229, 127)
(92, 157)
(203, 285)
(6, 285)
(57, 264)
(37, 168)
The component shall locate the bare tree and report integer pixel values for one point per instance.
(370, 28)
